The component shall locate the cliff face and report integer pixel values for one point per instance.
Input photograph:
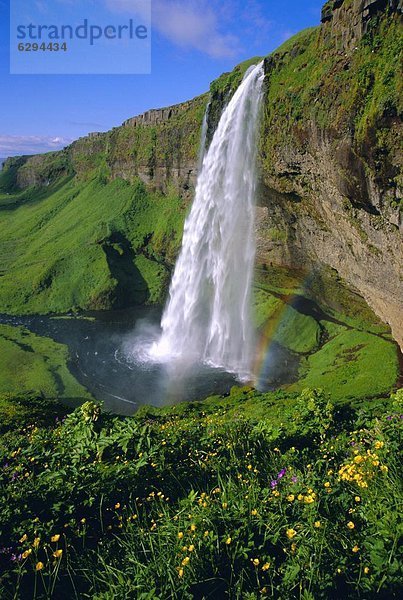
(331, 184)
(331, 162)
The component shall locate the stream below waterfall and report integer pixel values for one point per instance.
(100, 343)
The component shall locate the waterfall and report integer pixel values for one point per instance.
(207, 316)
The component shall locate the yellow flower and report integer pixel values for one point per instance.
(293, 547)
(180, 535)
(308, 499)
(39, 566)
(55, 538)
(254, 512)
(356, 548)
(255, 561)
(317, 524)
(228, 541)
(26, 553)
(350, 525)
(206, 533)
(117, 505)
(249, 467)
(83, 521)
(180, 572)
(58, 553)
(36, 542)
(266, 566)
(191, 548)
(193, 527)
(300, 497)
(290, 533)
(225, 504)
(24, 538)
(384, 469)
(291, 498)
(379, 444)
(185, 561)
(327, 484)
(366, 570)
(358, 459)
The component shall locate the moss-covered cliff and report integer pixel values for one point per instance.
(99, 223)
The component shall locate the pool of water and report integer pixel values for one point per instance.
(108, 356)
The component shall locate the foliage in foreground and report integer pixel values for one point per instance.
(190, 502)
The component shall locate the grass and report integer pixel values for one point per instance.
(228, 498)
(31, 363)
(81, 245)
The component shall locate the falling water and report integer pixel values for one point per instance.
(207, 316)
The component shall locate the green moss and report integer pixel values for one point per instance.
(36, 365)
(86, 244)
(348, 367)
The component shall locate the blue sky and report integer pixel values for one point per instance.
(193, 42)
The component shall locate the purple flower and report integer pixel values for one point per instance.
(294, 479)
(282, 473)
(273, 483)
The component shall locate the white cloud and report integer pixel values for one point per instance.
(190, 24)
(12, 145)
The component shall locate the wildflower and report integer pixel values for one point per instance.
(276, 493)
(193, 527)
(290, 533)
(55, 538)
(249, 467)
(327, 484)
(254, 512)
(58, 553)
(185, 561)
(273, 484)
(225, 504)
(291, 498)
(358, 459)
(180, 573)
(293, 547)
(180, 535)
(281, 474)
(357, 499)
(300, 497)
(83, 521)
(26, 553)
(379, 444)
(366, 570)
(308, 499)
(255, 561)
(24, 538)
(266, 566)
(356, 548)
(384, 469)
(191, 548)
(39, 566)
(317, 524)
(117, 505)
(350, 525)
(206, 533)
(228, 541)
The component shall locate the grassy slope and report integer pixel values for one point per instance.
(31, 363)
(86, 245)
(341, 346)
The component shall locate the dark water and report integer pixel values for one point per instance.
(106, 356)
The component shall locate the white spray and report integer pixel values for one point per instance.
(207, 316)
